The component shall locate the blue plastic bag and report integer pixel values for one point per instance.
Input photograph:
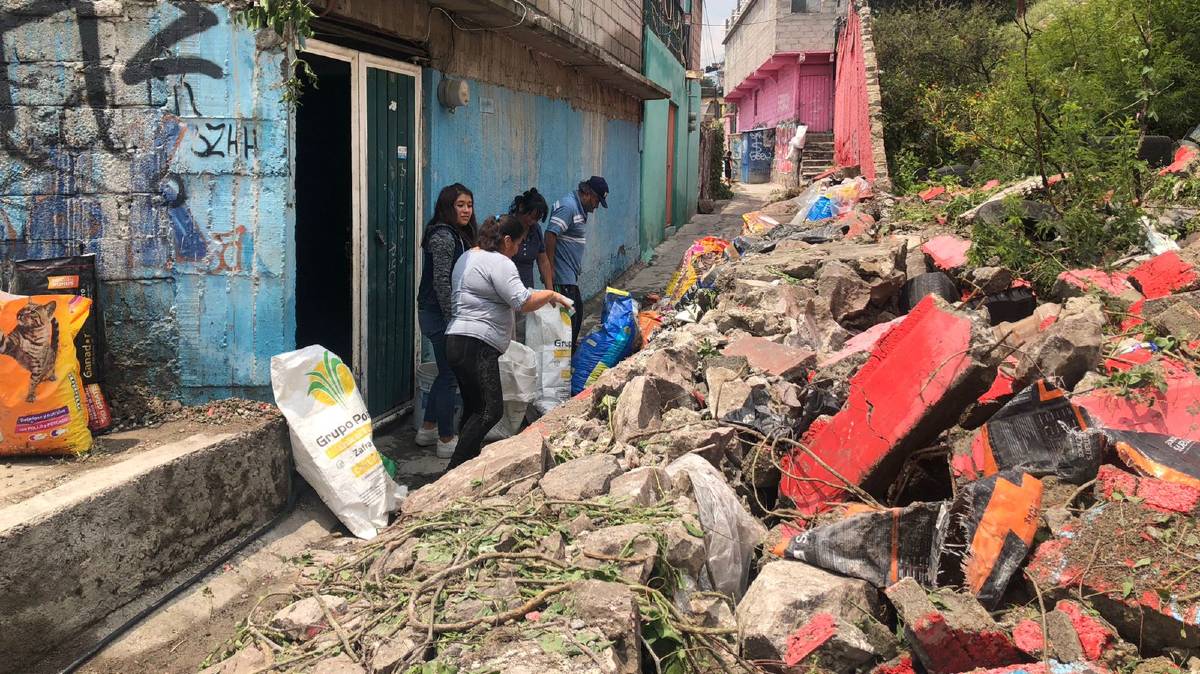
(609, 344)
(822, 208)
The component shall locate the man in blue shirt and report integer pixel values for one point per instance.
(566, 240)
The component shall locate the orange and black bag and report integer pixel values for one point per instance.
(1165, 457)
(42, 409)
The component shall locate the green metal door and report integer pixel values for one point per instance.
(391, 211)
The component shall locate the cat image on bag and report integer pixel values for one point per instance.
(33, 343)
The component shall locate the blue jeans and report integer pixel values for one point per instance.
(440, 408)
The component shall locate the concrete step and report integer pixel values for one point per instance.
(82, 538)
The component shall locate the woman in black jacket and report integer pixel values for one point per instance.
(448, 234)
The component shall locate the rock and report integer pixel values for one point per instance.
(991, 280)
(952, 634)
(684, 550)
(305, 619)
(392, 651)
(710, 611)
(775, 359)
(249, 660)
(638, 410)
(580, 479)
(677, 367)
(848, 295)
(396, 561)
(643, 486)
(1069, 348)
(501, 463)
(1064, 642)
(554, 546)
(579, 525)
(612, 610)
(816, 329)
(786, 595)
(342, 664)
(632, 542)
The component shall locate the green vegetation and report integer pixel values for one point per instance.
(289, 20)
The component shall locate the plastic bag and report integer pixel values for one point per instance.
(609, 344)
(41, 393)
(510, 423)
(730, 533)
(332, 438)
(821, 209)
(1165, 457)
(74, 275)
(649, 322)
(696, 262)
(519, 384)
(548, 335)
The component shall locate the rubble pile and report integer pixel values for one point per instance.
(846, 448)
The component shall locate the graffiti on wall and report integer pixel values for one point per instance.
(783, 135)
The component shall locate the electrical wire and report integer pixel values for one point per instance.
(524, 15)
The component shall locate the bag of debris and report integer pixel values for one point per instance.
(649, 322)
(1033, 433)
(755, 223)
(986, 534)
(548, 335)
(878, 546)
(609, 344)
(519, 384)
(332, 438)
(41, 393)
(730, 533)
(75, 275)
(1165, 457)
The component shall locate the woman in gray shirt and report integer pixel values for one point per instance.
(487, 290)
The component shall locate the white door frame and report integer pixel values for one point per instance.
(359, 62)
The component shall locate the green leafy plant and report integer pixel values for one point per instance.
(290, 20)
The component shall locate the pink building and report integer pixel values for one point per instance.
(779, 73)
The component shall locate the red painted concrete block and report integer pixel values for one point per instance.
(1027, 635)
(806, 640)
(1114, 284)
(1053, 668)
(1175, 412)
(788, 362)
(932, 193)
(1163, 275)
(862, 342)
(1094, 635)
(900, 665)
(947, 252)
(1155, 493)
(917, 381)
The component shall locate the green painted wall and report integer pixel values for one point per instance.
(661, 67)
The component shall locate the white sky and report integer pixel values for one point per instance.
(715, 13)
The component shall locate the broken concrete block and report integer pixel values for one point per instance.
(638, 410)
(1077, 282)
(580, 479)
(341, 664)
(953, 634)
(1164, 275)
(816, 330)
(1177, 315)
(946, 252)
(249, 660)
(612, 610)
(902, 664)
(1154, 493)
(631, 546)
(920, 377)
(991, 280)
(1067, 349)
(786, 596)
(863, 342)
(1096, 637)
(1173, 412)
(684, 549)
(674, 366)
(1064, 642)
(643, 486)
(848, 295)
(776, 359)
(304, 619)
(392, 651)
(501, 463)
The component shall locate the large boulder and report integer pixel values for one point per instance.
(631, 546)
(1069, 348)
(787, 597)
(580, 479)
(644, 486)
(507, 462)
(639, 409)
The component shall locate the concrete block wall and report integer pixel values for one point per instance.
(750, 43)
(810, 31)
(614, 25)
(152, 134)
(874, 98)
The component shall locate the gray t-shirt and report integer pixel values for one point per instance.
(486, 291)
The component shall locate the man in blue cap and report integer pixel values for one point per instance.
(566, 238)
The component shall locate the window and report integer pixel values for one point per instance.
(806, 6)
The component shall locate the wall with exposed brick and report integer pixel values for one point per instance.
(614, 25)
(153, 135)
(809, 31)
(749, 43)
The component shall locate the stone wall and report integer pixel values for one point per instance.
(153, 135)
(874, 99)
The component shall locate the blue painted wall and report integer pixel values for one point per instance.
(507, 141)
(170, 162)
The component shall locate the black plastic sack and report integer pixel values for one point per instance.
(1039, 432)
(986, 534)
(817, 401)
(932, 283)
(880, 546)
(74, 275)
(1165, 457)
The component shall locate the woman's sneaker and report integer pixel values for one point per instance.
(427, 437)
(445, 450)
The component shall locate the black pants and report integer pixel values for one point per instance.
(572, 293)
(477, 368)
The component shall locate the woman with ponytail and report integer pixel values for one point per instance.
(487, 291)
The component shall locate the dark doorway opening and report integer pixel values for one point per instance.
(324, 211)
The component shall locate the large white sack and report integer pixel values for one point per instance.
(331, 438)
(519, 373)
(548, 333)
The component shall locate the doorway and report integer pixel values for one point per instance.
(325, 212)
(358, 196)
(672, 112)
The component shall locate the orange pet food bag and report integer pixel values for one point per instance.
(41, 393)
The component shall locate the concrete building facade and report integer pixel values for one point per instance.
(229, 227)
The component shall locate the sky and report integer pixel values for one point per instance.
(715, 13)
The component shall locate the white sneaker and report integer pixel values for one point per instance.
(445, 450)
(427, 437)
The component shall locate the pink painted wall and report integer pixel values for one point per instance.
(795, 92)
(852, 116)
